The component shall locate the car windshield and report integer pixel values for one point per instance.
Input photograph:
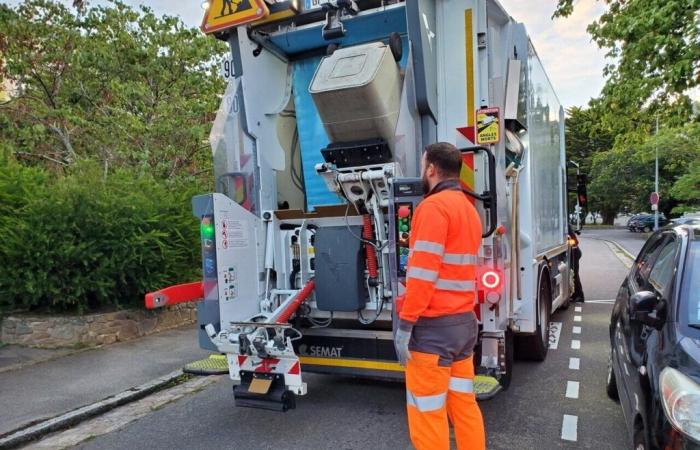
(691, 285)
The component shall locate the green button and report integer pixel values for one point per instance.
(404, 227)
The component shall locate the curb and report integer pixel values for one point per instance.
(619, 248)
(31, 432)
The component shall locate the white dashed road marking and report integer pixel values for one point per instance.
(574, 363)
(577, 318)
(572, 389)
(577, 330)
(578, 309)
(576, 344)
(605, 302)
(569, 428)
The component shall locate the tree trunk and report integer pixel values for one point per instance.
(609, 217)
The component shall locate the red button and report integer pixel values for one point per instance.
(404, 211)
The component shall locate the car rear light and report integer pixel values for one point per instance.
(680, 397)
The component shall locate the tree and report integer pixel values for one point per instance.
(654, 46)
(111, 83)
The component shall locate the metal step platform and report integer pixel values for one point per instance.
(213, 365)
(486, 387)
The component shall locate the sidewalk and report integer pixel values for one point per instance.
(46, 389)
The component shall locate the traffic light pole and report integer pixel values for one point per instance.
(578, 204)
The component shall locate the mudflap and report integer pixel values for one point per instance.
(263, 391)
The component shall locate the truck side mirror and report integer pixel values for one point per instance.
(646, 308)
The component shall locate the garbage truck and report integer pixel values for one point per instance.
(317, 147)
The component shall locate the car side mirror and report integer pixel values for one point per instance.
(646, 308)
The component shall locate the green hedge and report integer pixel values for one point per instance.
(83, 241)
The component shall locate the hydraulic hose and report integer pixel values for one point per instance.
(368, 235)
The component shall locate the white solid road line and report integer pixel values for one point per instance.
(577, 330)
(572, 389)
(577, 318)
(605, 302)
(576, 344)
(578, 309)
(574, 363)
(569, 428)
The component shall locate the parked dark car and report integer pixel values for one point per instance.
(654, 365)
(645, 222)
(689, 220)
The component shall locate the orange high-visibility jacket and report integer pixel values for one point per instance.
(444, 242)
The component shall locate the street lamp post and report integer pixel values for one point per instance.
(656, 174)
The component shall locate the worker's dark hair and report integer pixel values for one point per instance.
(445, 157)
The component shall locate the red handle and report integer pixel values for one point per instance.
(172, 295)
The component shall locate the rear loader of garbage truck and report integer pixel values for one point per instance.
(317, 147)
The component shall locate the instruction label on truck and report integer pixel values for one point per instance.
(488, 126)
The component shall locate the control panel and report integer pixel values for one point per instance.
(407, 193)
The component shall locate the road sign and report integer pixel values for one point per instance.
(654, 207)
(227, 68)
(654, 198)
(488, 126)
(222, 14)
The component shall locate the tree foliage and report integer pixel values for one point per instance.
(654, 49)
(654, 52)
(110, 83)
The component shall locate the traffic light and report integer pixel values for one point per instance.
(581, 181)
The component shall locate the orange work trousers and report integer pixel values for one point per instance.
(434, 393)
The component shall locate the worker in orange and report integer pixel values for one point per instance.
(438, 328)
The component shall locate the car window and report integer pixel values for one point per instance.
(664, 266)
(690, 293)
(645, 259)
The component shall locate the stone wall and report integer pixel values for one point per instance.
(92, 329)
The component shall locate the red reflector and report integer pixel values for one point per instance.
(295, 370)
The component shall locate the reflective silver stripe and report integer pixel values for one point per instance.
(429, 247)
(461, 259)
(455, 285)
(426, 403)
(422, 274)
(463, 385)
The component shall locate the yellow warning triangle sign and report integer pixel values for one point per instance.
(222, 14)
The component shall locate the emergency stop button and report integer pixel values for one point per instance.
(404, 211)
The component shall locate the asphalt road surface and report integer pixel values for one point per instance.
(632, 242)
(560, 403)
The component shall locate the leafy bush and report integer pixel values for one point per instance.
(83, 241)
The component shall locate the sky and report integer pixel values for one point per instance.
(573, 62)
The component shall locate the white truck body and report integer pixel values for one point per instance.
(278, 198)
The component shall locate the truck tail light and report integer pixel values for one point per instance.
(490, 281)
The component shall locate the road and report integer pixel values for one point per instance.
(560, 403)
(632, 242)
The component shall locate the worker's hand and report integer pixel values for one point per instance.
(403, 336)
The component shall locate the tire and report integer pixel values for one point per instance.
(640, 441)
(534, 347)
(611, 382)
(510, 360)
(647, 229)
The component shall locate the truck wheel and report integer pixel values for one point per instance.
(535, 347)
